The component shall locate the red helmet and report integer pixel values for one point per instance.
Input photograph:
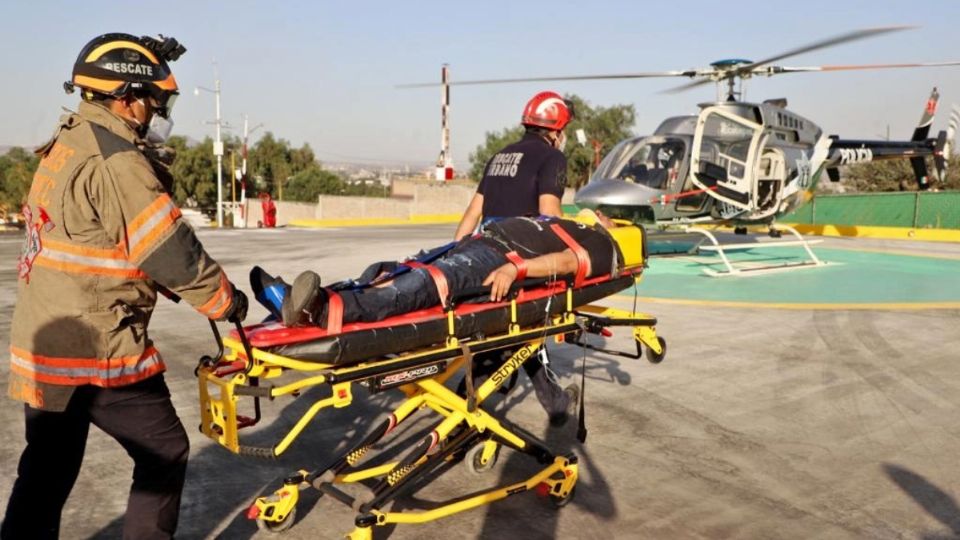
(547, 110)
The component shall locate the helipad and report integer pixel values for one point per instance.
(855, 277)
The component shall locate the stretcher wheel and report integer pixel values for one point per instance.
(655, 358)
(472, 459)
(278, 526)
(560, 502)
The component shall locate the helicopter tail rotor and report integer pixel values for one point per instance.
(939, 158)
(944, 144)
(952, 131)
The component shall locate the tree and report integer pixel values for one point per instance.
(308, 184)
(16, 174)
(494, 142)
(195, 173)
(606, 125)
(275, 161)
(896, 175)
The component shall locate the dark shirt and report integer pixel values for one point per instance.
(516, 176)
(534, 237)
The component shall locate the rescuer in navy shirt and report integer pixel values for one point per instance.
(526, 178)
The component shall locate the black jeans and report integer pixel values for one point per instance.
(142, 419)
(464, 267)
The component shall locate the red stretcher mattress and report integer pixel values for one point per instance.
(359, 342)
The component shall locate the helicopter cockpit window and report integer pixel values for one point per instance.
(652, 161)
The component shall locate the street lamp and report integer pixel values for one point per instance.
(217, 145)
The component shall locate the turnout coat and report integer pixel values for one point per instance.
(103, 237)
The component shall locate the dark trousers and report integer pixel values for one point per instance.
(142, 419)
(551, 397)
(464, 267)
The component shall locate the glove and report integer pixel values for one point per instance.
(238, 306)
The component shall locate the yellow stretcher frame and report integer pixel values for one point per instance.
(465, 430)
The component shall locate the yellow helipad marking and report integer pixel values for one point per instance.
(420, 219)
(860, 231)
(794, 305)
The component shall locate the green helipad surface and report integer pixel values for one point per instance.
(851, 279)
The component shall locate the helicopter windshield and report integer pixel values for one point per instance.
(650, 161)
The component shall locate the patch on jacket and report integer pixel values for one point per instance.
(32, 244)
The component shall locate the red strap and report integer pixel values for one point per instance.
(520, 263)
(440, 280)
(334, 312)
(583, 260)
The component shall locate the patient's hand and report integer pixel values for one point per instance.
(500, 280)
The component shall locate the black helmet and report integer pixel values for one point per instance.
(118, 64)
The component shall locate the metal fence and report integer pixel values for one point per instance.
(940, 210)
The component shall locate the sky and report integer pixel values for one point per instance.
(325, 72)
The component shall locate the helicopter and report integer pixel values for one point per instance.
(738, 162)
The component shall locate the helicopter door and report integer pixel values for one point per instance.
(724, 156)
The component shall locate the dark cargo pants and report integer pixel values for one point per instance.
(142, 419)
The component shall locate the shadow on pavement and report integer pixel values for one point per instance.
(936, 502)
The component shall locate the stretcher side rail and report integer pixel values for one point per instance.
(226, 430)
(222, 422)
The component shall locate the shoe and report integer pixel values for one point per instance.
(268, 290)
(572, 392)
(304, 303)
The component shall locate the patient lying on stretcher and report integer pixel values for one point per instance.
(506, 251)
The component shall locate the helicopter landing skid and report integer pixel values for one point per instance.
(732, 270)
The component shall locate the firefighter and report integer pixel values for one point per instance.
(527, 178)
(103, 238)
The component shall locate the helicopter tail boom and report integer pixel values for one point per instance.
(850, 152)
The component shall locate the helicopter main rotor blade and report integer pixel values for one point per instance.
(687, 86)
(642, 75)
(752, 68)
(829, 42)
(784, 69)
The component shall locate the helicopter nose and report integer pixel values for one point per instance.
(609, 192)
(619, 199)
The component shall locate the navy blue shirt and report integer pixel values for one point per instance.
(516, 176)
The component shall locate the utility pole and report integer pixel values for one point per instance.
(233, 177)
(218, 143)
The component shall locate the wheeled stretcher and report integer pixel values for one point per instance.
(417, 354)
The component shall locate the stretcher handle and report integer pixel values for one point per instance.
(475, 293)
(257, 451)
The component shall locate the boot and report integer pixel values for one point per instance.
(268, 290)
(306, 304)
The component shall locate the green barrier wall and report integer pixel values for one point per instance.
(939, 210)
(926, 210)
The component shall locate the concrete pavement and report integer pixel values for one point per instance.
(760, 423)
